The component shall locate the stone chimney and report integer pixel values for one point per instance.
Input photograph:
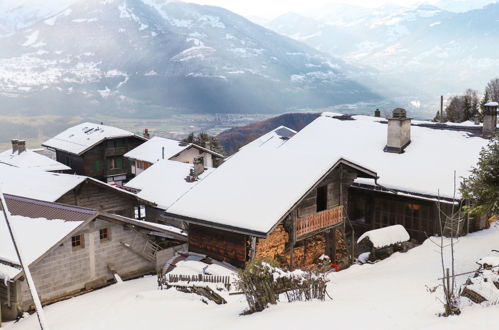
(146, 133)
(14, 145)
(198, 166)
(490, 119)
(399, 131)
(377, 113)
(21, 146)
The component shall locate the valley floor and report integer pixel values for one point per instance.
(391, 294)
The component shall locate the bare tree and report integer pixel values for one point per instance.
(450, 225)
(493, 89)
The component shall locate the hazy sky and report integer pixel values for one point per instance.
(272, 8)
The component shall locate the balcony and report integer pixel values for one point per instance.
(120, 151)
(319, 221)
(115, 172)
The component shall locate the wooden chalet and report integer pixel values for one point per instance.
(76, 250)
(96, 151)
(271, 201)
(70, 189)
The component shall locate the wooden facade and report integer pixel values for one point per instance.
(97, 196)
(313, 226)
(372, 209)
(103, 161)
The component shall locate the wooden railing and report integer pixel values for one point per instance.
(320, 220)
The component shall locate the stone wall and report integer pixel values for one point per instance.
(67, 270)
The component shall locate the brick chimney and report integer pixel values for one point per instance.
(399, 131)
(21, 146)
(146, 133)
(198, 166)
(14, 145)
(490, 119)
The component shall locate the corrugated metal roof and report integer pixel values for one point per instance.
(33, 208)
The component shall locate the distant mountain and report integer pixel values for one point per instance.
(419, 53)
(234, 138)
(152, 57)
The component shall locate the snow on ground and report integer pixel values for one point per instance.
(386, 236)
(390, 294)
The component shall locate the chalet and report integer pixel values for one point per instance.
(165, 182)
(19, 156)
(415, 162)
(271, 200)
(71, 250)
(69, 189)
(95, 150)
(158, 148)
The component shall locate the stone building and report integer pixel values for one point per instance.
(96, 151)
(71, 250)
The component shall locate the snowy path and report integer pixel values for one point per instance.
(388, 295)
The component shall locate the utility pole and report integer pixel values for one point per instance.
(441, 108)
(27, 273)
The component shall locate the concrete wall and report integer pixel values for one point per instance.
(67, 270)
(164, 255)
(187, 156)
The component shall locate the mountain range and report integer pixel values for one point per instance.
(149, 58)
(417, 53)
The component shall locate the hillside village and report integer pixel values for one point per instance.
(98, 205)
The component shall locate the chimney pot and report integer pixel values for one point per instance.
(377, 113)
(146, 133)
(490, 119)
(14, 145)
(399, 131)
(21, 146)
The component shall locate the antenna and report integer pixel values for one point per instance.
(27, 273)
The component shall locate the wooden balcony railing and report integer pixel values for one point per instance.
(320, 220)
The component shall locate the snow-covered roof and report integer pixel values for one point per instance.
(45, 186)
(256, 187)
(152, 150)
(427, 166)
(80, 138)
(31, 159)
(274, 179)
(272, 139)
(386, 236)
(35, 184)
(164, 182)
(492, 104)
(35, 236)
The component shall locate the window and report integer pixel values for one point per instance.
(104, 234)
(77, 241)
(321, 201)
(113, 163)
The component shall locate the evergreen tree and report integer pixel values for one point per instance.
(206, 141)
(481, 189)
(485, 100)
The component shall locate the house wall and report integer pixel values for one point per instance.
(91, 195)
(329, 241)
(94, 162)
(375, 209)
(219, 244)
(188, 155)
(66, 270)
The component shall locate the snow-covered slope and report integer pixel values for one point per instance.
(151, 57)
(391, 294)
